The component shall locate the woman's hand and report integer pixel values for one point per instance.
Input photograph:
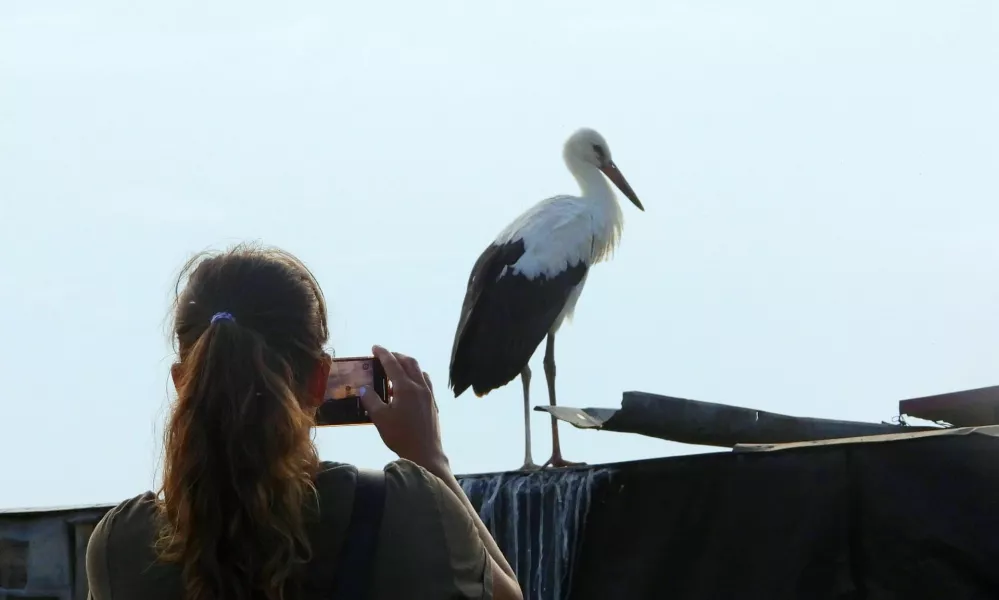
(408, 422)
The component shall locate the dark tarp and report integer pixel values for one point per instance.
(908, 519)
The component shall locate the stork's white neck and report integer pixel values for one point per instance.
(591, 181)
(607, 221)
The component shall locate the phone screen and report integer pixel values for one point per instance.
(342, 405)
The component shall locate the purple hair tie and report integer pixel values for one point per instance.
(223, 316)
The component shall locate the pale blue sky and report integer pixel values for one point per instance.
(820, 182)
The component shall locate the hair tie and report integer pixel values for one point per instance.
(223, 316)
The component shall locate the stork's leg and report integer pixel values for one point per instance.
(556, 460)
(525, 379)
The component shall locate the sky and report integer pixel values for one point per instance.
(820, 184)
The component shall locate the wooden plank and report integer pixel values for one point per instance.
(990, 430)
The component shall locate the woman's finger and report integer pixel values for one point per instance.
(393, 370)
(411, 367)
(430, 385)
(372, 403)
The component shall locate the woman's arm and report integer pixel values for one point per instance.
(443, 472)
(505, 585)
(409, 425)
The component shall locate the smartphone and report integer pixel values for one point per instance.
(342, 404)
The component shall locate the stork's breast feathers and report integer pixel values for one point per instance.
(554, 242)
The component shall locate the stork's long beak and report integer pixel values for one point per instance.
(615, 175)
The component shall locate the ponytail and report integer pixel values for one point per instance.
(239, 465)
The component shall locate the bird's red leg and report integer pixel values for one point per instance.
(556, 460)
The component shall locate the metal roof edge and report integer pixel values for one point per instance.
(72, 508)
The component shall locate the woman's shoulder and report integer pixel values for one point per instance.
(411, 475)
(121, 545)
(136, 513)
(411, 486)
(136, 506)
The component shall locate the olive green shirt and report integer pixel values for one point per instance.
(428, 546)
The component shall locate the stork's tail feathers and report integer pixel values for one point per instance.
(479, 392)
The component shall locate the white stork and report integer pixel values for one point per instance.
(525, 284)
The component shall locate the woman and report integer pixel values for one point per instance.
(246, 509)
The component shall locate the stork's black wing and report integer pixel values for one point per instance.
(504, 318)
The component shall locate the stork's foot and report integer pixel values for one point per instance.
(529, 466)
(557, 462)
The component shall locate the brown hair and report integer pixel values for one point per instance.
(239, 461)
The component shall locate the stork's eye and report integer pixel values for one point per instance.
(600, 152)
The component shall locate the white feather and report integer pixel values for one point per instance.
(563, 231)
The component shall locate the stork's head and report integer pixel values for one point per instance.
(588, 147)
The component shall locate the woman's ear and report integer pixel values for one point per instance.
(317, 384)
(175, 375)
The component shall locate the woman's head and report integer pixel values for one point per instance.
(250, 326)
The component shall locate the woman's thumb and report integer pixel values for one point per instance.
(371, 402)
